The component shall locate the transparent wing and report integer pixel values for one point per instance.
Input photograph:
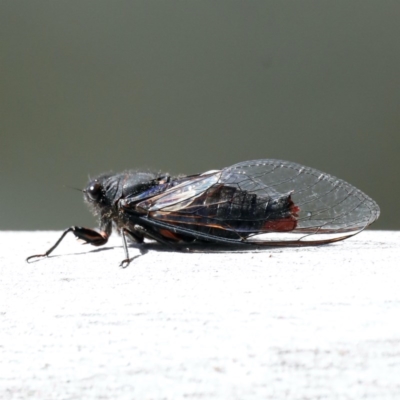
(328, 206)
(266, 202)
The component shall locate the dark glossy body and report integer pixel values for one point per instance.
(261, 202)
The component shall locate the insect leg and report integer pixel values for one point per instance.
(125, 262)
(135, 237)
(88, 235)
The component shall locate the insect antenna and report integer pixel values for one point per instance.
(72, 187)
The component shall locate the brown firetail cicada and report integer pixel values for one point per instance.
(253, 203)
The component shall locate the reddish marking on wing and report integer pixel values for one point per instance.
(294, 209)
(284, 224)
(281, 225)
(170, 235)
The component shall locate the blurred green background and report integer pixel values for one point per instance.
(188, 86)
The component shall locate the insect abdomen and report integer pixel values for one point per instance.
(229, 212)
(244, 211)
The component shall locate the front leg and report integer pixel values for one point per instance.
(89, 236)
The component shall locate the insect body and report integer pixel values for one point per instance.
(253, 203)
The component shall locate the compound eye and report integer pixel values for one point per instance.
(94, 191)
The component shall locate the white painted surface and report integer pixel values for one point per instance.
(295, 323)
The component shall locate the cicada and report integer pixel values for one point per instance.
(253, 203)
